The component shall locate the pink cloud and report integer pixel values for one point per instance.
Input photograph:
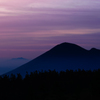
(19, 7)
(30, 25)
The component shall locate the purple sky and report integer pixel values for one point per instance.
(29, 28)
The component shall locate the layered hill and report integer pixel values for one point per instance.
(61, 57)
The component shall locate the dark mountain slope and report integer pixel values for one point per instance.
(61, 57)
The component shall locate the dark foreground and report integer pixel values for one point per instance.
(51, 85)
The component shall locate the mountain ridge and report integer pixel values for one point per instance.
(19, 58)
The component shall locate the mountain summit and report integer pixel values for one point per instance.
(61, 57)
(67, 49)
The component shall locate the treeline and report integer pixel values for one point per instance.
(51, 85)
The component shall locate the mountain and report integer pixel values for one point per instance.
(61, 57)
(19, 58)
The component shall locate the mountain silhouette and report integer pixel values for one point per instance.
(62, 57)
(67, 49)
(19, 58)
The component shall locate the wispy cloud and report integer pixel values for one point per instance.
(27, 23)
(11, 7)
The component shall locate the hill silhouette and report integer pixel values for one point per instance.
(61, 57)
(19, 58)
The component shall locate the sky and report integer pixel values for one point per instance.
(29, 28)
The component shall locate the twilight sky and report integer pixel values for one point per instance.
(29, 28)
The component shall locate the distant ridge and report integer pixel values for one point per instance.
(19, 58)
(61, 57)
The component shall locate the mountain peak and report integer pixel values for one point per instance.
(67, 46)
(67, 49)
(19, 58)
(94, 49)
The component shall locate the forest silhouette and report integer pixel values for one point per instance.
(51, 85)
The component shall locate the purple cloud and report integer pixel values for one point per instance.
(36, 26)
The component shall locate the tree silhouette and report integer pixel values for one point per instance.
(69, 85)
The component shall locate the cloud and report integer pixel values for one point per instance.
(64, 20)
(66, 4)
(21, 7)
(27, 23)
